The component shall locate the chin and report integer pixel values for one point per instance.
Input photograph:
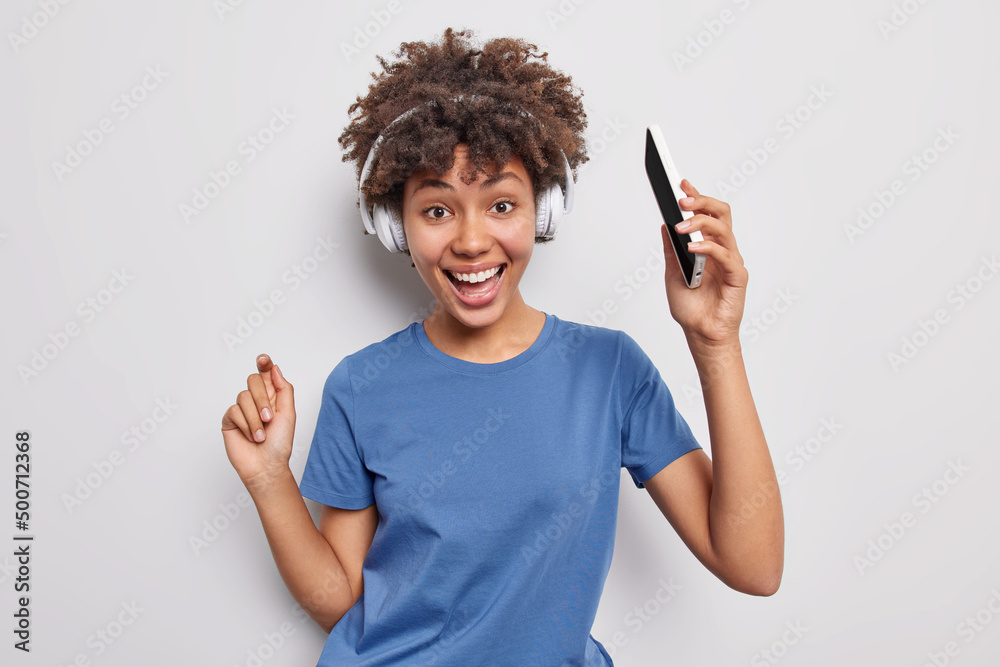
(476, 318)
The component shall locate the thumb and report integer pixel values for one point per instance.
(284, 393)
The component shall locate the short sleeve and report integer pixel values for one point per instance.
(654, 433)
(335, 473)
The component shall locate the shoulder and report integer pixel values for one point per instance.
(371, 361)
(594, 349)
(605, 342)
(391, 347)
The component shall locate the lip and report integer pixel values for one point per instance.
(482, 299)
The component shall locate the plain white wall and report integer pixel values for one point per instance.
(830, 300)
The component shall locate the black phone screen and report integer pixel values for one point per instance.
(669, 208)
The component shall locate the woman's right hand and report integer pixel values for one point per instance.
(258, 429)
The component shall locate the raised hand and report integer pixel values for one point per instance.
(710, 313)
(259, 428)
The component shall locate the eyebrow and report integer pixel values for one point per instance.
(492, 180)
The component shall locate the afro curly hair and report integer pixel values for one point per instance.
(501, 99)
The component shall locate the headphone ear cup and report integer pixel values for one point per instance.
(542, 215)
(388, 223)
(549, 210)
(555, 197)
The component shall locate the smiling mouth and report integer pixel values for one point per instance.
(476, 284)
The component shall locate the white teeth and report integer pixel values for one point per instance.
(476, 277)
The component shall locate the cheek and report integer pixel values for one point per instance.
(420, 242)
(522, 243)
(524, 247)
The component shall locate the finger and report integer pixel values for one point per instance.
(245, 400)
(707, 205)
(255, 384)
(714, 229)
(688, 188)
(234, 420)
(284, 393)
(264, 365)
(731, 264)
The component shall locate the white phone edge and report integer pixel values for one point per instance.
(675, 185)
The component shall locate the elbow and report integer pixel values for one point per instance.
(322, 618)
(326, 621)
(761, 578)
(764, 586)
(763, 583)
(757, 570)
(760, 586)
(327, 610)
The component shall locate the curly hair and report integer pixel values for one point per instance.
(464, 94)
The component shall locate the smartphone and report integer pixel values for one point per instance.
(666, 184)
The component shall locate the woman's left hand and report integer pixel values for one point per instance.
(711, 313)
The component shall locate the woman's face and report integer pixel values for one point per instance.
(471, 242)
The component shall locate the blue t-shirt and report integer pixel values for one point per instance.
(497, 492)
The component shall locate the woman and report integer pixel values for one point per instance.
(468, 465)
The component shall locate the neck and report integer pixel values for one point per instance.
(504, 339)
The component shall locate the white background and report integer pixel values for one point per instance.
(854, 297)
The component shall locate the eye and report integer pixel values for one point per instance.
(504, 206)
(436, 212)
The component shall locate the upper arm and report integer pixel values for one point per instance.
(350, 534)
(682, 491)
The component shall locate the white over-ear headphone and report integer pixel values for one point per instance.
(387, 222)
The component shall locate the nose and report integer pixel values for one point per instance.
(472, 235)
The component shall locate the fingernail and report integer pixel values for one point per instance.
(265, 414)
(682, 226)
(687, 201)
(259, 435)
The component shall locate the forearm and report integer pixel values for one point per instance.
(306, 561)
(745, 515)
